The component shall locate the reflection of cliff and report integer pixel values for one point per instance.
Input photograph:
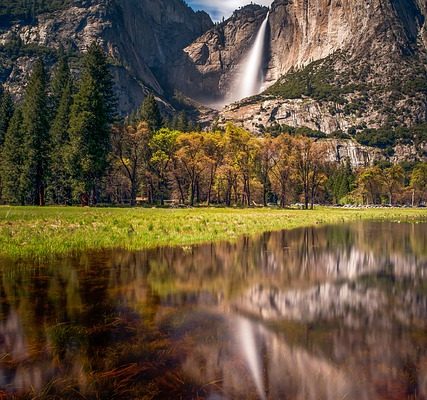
(294, 315)
(354, 304)
(285, 372)
(286, 259)
(354, 365)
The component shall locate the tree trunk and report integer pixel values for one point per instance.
(282, 199)
(210, 187)
(42, 200)
(181, 191)
(93, 199)
(84, 199)
(197, 191)
(264, 188)
(133, 191)
(192, 190)
(248, 192)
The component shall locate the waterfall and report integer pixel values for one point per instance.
(250, 351)
(250, 79)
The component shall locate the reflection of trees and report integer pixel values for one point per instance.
(287, 259)
(60, 317)
(101, 319)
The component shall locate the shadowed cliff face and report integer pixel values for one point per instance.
(142, 37)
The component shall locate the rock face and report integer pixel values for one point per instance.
(333, 65)
(142, 37)
(353, 62)
(207, 66)
(305, 31)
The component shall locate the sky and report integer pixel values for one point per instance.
(219, 8)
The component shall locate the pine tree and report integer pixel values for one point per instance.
(60, 80)
(59, 183)
(92, 113)
(6, 113)
(150, 113)
(35, 127)
(12, 158)
(181, 122)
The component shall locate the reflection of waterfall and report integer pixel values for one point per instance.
(250, 79)
(250, 351)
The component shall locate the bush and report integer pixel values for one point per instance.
(12, 10)
(317, 81)
(387, 137)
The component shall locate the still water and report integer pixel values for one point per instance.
(337, 312)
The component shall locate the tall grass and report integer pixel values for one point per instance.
(41, 233)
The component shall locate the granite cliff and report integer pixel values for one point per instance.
(142, 38)
(336, 65)
(329, 65)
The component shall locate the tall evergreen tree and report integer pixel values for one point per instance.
(60, 79)
(150, 113)
(181, 122)
(92, 113)
(35, 127)
(59, 183)
(6, 113)
(12, 157)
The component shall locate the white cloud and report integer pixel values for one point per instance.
(219, 8)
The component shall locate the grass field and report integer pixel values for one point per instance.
(44, 232)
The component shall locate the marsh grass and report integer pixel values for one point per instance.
(41, 233)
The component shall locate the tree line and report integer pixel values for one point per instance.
(63, 144)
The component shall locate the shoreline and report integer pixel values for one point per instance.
(44, 233)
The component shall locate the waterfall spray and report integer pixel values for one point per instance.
(250, 80)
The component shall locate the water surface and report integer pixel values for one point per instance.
(337, 312)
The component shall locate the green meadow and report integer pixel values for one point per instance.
(41, 233)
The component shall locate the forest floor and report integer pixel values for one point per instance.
(40, 233)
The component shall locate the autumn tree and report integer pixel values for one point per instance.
(242, 150)
(214, 156)
(163, 148)
(192, 157)
(131, 147)
(266, 162)
(419, 181)
(308, 157)
(370, 184)
(281, 167)
(393, 180)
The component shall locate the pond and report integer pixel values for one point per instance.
(335, 312)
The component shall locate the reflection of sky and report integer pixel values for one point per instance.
(223, 8)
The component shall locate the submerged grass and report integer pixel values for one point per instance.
(41, 233)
